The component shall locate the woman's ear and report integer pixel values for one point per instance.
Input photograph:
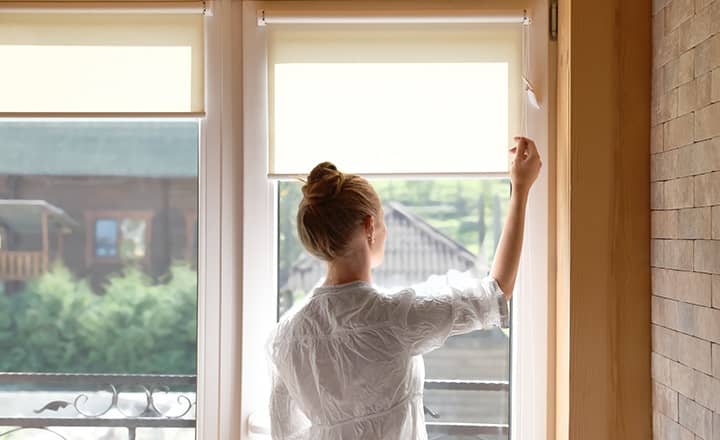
(369, 225)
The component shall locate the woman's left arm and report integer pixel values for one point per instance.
(286, 419)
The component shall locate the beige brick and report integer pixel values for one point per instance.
(664, 428)
(716, 292)
(659, 282)
(664, 166)
(707, 391)
(708, 324)
(657, 253)
(682, 379)
(678, 254)
(671, 75)
(715, 86)
(699, 158)
(691, 287)
(707, 124)
(686, 434)
(707, 55)
(664, 224)
(715, 360)
(666, 49)
(679, 132)
(664, 312)
(658, 6)
(677, 12)
(656, 196)
(694, 223)
(655, 110)
(679, 193)
(687, 98)
(706, 256)
(701, 4)
(660, 366)
(694, 417)
(656, 138)
(658, 81)
(714, 17)
(715, 222)
(716, 427)
(665, 401)
(687, 318)
(665, 342)
(703, 91)
(707, 189)
(666, 107)
(691, 351)
(695, 30)
(658, 27)
(679, 71)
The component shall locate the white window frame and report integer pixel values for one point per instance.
(237, 263)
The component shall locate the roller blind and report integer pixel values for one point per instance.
(389, 99)
(101, 62)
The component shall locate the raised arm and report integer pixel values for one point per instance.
(523, 172)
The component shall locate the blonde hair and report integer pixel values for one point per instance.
(334, 204)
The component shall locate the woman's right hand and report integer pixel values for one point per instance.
(525, 164)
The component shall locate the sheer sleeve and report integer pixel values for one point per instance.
(286, 419)
(428, 313)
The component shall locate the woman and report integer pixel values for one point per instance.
(347, 364)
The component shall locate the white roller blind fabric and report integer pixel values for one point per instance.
(388, 99)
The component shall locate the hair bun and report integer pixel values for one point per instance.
(323, 183)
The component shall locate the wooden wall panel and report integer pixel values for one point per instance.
(603, 282)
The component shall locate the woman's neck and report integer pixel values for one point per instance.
(348, 269)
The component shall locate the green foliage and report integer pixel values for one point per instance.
(137, 326)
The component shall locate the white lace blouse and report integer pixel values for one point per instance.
(347, 364)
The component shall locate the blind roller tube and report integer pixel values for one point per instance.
(268, 17)
(112, 7)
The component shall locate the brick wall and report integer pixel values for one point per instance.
(685, 201)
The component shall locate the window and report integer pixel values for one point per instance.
(100, 123)
(371, 98)
(118, 236)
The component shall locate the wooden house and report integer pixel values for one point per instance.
(97, 195)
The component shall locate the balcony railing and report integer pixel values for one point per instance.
(126, 401)
(142, 391)
(22, 265)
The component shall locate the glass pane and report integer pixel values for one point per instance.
(133, 238)
(433, 226)
(105, 298)
(106, 238)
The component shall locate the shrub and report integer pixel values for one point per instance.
(138, 326)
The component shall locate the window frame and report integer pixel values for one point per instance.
(531, 379)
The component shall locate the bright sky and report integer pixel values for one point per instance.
(95, 78)
(391, 117)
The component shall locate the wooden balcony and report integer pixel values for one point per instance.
(22, 265)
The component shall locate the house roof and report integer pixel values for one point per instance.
(26, 215)
(146, 148)
(414, 250)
